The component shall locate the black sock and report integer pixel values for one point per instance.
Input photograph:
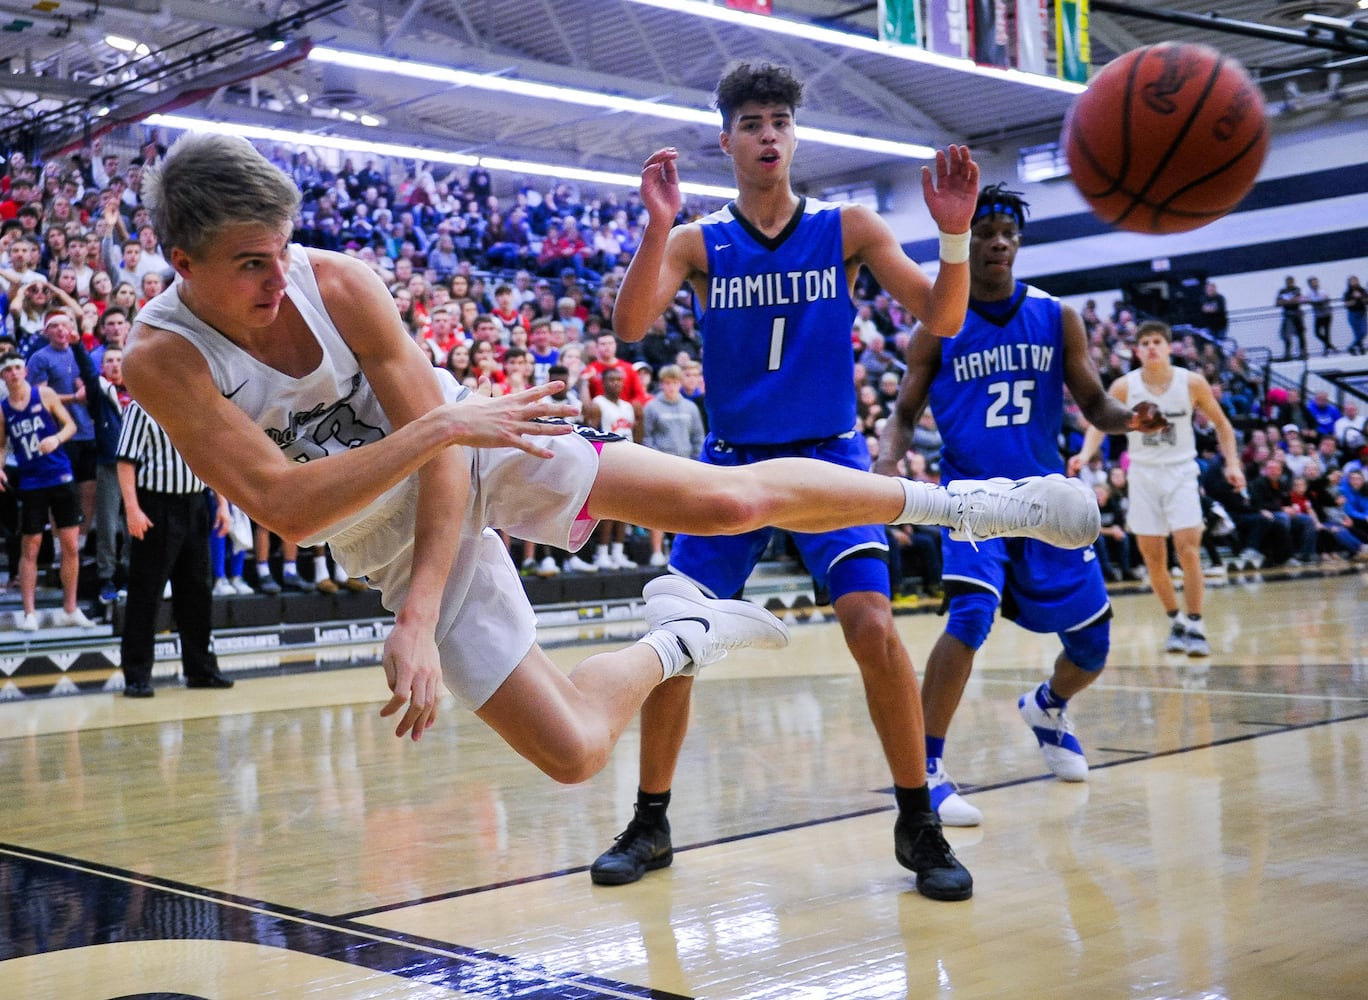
(651, 806)
(912, 800)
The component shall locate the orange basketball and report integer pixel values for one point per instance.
(1166, 138)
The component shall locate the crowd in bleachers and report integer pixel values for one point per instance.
(519, 287)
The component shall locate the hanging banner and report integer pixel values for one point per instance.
(1031, 22)
(990, 33)
(900, 22)
(1072, 52)
(947, 28)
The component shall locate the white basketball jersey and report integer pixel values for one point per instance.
(1174, 445)
(329, 410)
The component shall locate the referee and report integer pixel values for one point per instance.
(169, 523)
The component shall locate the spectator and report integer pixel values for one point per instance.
(106, 399)
(1259, 536)
(1270, 495)
(631, 389)
(1293, 328)
(672, 424)
(1321, 311)
(1356, 503)
(1349, 430)
(1356, 312)
(1214, 316)
(1113, 544)
(55, 366)
(37, 424)
(1321, 414)
(610, 411)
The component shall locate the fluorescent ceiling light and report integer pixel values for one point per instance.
(863, 43)
(431, 73)
(400, 151)
(126, 45)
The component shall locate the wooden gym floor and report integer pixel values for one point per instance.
(277, 841)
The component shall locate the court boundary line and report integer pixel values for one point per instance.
(500, 972)
(1133, 758)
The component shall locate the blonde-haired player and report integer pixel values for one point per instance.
(1164, 497)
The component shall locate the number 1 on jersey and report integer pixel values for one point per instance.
(776, 351)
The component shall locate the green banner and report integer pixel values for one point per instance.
(1072, 52)
(899, 21)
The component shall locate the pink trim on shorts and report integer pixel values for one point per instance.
(584, 514)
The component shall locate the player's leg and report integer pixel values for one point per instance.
(716, 565)
(645, 844)
(1044, 709)
(1054, 590)
(1154, 551)
(28, 578)
(1187, 542)
(893, 698)
(657, 490)
(567, 724)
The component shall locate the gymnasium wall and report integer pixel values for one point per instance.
(1307, 215)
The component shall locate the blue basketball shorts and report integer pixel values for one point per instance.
(1040, 587)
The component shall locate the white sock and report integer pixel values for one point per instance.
(263, 570)
(600, 551)
(340, 574)
(320, 567)
(289, 569)
(668, 646)
(927, 503)
(617, 549)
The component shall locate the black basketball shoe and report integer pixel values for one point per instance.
(642, 847)
(919, 845)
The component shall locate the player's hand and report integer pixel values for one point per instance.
(1074, 465)
(414, 674)
(885, 466)
(482, 420)
(49, 444)
(952, 191)
(1147, 418)
(1235, 477)
(660, 186)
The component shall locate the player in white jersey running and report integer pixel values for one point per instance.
(1164, 496)
(285, 378)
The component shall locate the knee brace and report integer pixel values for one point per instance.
(971, 616)
(1087, 648)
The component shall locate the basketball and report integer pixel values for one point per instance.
(1167, 138)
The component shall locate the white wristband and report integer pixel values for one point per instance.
(954, 249)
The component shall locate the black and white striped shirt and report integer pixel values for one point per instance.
(146, 445)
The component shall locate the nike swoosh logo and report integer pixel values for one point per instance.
(721, 246)
(707, 625)
(230, 395)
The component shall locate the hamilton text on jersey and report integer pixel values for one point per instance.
(773, 288)
(1004, 358)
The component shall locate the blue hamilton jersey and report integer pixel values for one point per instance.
(998, 397)
(776, 333)
(26, 427)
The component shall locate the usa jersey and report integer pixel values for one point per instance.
(26, 427)
(776, 330)
(999, 393)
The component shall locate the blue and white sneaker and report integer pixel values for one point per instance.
(1054, 732)
(950, 806)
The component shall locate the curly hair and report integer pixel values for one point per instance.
(996, 199)
(764, 84)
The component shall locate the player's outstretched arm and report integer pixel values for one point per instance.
(923, 360)
(951, 191)
(666, 257)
